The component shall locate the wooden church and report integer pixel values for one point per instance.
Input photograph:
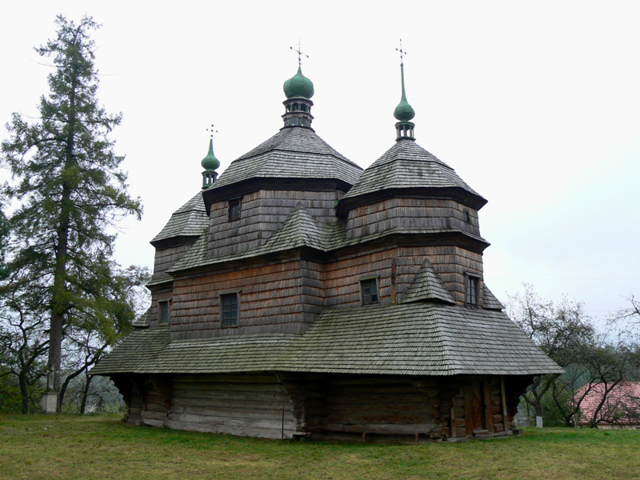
(299, 296)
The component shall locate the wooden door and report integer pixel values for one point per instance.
(475, 408)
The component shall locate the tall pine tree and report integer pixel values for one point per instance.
(69, 189)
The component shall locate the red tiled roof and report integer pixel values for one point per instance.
(622, 405)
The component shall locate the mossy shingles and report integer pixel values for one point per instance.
(406, 339)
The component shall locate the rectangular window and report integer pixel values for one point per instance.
(229, 309)
(163, 311)
(234, 209)
(471, 298)
(369, 289)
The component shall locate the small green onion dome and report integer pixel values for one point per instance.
(298, 86)
(404, 111)
(210, 162)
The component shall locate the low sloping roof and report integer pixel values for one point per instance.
(407, 165)
(407, 339)
(417, 339)
(187, 221)
(427, 285)
(291, 153)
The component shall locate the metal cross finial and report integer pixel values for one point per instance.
(402, 53)
(211, 130)
(299, 52)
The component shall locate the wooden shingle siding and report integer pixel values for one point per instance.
(263, 212)
(342, 278)
(409, 214)
(252, 405)
(270, 301)
(165, 258)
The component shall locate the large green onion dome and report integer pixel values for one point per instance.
(298, 86)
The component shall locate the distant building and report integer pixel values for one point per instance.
(620, 407)
(298, 295)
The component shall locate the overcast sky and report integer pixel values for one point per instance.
(536, 105)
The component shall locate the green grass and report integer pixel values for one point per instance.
(88, 447)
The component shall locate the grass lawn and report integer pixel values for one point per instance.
(88, 447)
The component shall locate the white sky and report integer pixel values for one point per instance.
(534, 104)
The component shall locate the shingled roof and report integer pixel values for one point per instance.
(427, 286)
(407, 165)
(187, 221)
(406, 339)
(291, 153)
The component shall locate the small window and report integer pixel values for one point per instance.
(163, 311)
(471, 298)
(369, 289)
(234, 209)
(229, 309)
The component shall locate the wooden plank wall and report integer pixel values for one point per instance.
(342, 277)
(384, 408)
(270, 301)
(286, 297)
(262, 213)
(167, 256)
(148, 399)
(314, 295)
(381, 405)
(451, 263)
(411, 214)
(246, 405)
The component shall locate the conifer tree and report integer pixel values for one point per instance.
(69, 190)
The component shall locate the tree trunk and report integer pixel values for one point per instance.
(24, 392)
(538, 407)
(58, 300)
(85, 394)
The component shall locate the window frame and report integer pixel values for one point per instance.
(236, 320)
(161, 304)
(234, 209)
(363, 284)
(472, 282)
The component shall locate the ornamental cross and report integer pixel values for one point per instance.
(211, 130)
(299, 52)
(402, 53)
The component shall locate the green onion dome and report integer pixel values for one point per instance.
(298, 86)
(210, 162)
(404, 111)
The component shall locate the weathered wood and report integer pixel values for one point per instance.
(425, 428)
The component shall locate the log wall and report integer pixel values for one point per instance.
(247, 405)
(411, 214)
(459, 416)
(368, 408)
(380, 406)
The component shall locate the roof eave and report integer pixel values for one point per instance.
(465, 197)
